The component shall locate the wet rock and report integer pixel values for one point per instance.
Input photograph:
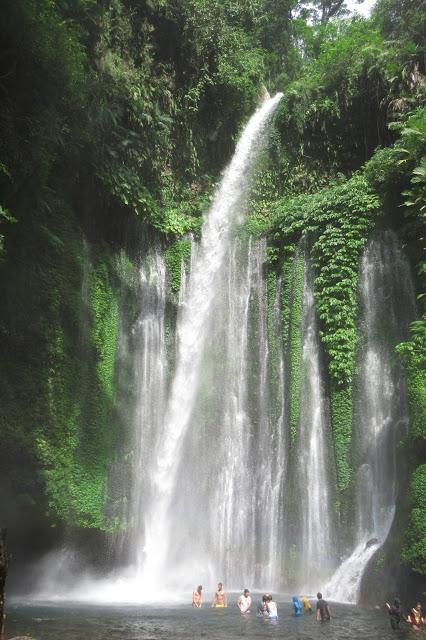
(371, 542)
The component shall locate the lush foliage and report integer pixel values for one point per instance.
(412, 151)
(62, 325)
(177, 256)
(295, 303)
(415, 549)
(341, 418)
(338, 220)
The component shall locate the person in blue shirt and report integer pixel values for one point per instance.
(298, 607)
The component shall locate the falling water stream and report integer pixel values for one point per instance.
(150, 367)
(157, 537)
(314, 457)
(387, 308)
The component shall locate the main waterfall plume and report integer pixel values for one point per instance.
(227, 211)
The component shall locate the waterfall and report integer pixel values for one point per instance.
(193, 330)
(275, 543)
(150, 367)
(387, 308)
(233, 455)
(314, 455)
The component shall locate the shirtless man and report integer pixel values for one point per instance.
(197, 597)
(220, 600)
(244, 601)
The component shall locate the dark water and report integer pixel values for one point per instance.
(79, 622)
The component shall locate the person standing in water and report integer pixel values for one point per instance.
(197, 597)
(272, 609)
(395, 612)
(244, 601)
(323, 610)
(262, 608)
(415, 617)
(306, 604)
(220, 599)
(297, 605)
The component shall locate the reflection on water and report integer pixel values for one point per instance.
(51, 622)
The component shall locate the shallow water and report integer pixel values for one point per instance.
(84, 622)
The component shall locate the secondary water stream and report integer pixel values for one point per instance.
(314, 451)
(150, 371)
(388, 307)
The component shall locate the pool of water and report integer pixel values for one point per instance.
(84, 622)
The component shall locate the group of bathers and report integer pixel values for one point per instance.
(267, 608)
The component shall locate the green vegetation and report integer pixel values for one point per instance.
(341, 420)
(295, 305)
(75, 442)
(274, 337)
(104, 307)
(177, 254)
(337, 222)
(415, 550)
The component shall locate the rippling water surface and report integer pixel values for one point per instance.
(79, 622)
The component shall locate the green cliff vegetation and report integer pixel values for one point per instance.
(337, 221)
(116, 119)
(295, 306)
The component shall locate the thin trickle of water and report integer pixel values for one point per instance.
(387, 308)
(314, 458)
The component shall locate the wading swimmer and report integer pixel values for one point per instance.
(220, 600)
(244, 601)
(415, 617)
(297, 605)
(306, 604)
(197, 597)
(262, 609)
(395, 612)
(272, 609)
(323, 610)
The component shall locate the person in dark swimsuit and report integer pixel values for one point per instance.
(323, 610)
(395, 612)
